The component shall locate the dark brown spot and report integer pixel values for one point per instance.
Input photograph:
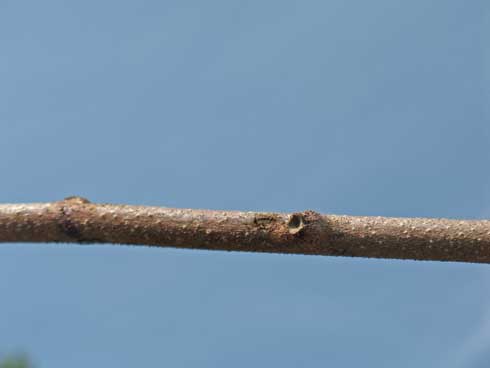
(264, 220)
(67, 225)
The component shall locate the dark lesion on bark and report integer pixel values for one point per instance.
(265, 220)
(69, 227)
(66, 223)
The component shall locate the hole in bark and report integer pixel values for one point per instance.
(295, 223)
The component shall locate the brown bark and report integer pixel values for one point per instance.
(76, 220)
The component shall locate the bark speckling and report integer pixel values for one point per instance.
(77, 220)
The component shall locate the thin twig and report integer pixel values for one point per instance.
(76, 220)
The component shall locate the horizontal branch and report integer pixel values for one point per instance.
(76, 220)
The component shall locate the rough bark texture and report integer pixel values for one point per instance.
(76, 220)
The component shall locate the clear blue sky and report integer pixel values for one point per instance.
(347, 107)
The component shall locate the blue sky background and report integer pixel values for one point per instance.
(347, 107)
